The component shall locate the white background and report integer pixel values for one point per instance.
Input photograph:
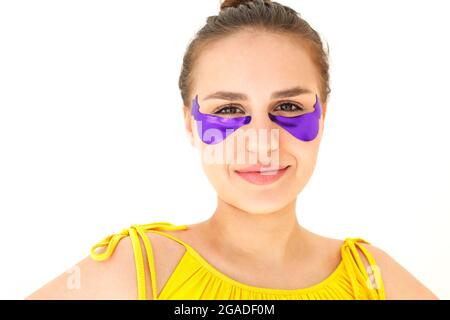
(84, 86)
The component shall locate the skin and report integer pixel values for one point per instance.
(253, 236)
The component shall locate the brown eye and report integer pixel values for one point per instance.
(291, 107)
(228, 110)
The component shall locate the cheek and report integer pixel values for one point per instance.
(304, 154)
(195, 136)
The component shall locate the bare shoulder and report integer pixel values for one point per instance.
(114, 278)
(399, 283)
(90, 279)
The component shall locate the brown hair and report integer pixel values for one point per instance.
(236, 15)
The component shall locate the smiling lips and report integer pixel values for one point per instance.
(260, 175)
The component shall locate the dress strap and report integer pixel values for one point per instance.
(135, 232)
(369, 278)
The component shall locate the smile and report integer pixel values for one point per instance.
(261, 176)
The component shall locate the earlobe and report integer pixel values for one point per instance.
(324, 110)
(191, 139)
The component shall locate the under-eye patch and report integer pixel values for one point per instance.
(305, 126)
(213, 129)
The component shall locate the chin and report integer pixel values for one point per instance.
(262, 205)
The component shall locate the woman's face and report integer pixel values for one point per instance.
(256, 64)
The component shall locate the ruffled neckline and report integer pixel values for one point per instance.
(220, 275)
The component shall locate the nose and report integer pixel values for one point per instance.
(261, 136)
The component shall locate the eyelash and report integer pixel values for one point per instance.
(229, 106)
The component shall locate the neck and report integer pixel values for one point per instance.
(274, 236)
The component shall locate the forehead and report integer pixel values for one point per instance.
(256, 61)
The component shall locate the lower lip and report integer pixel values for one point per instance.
(261, 179)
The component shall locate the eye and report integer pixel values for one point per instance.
(227, 110)
(292, 107)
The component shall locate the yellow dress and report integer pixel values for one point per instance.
(195, 279)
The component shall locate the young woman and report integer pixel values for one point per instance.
(257, 69)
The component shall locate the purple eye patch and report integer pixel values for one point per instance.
(305, 126)
(213, 129)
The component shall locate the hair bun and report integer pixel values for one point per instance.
(232, 3)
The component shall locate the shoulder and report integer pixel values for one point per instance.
(398, 282)
(90, 279)
(114, 277)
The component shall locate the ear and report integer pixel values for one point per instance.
(188, 125)
(324, 111)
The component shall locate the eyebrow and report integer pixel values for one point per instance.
(227, 95)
